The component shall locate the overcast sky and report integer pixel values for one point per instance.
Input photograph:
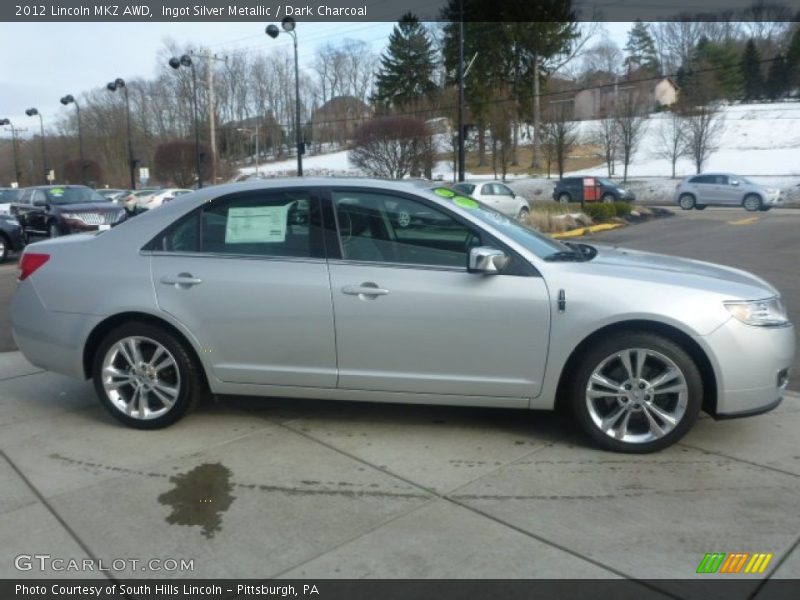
(44, 61)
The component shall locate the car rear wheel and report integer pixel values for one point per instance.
(145, 376)
(523, 214)
(686, 202)
(752, 203)
(636, 392)
(564, 198)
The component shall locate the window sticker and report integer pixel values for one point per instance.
(465, 202)
(264, 224)
(56, 192)
(444, 192)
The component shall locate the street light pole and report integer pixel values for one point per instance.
(17, 172)
(32, 112)
(177, 63)
(69, 99)
(288, 24)
(113, 86)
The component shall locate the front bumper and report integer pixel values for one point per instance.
(751, 365)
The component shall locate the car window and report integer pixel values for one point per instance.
(488, 189)
(464, 188)
(502, 190)
(702, 179)
(26, 197)
(276, 224)
(721, 179)
(39, 197)
(377, 227)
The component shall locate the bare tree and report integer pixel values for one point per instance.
(630, 120)
(702, 127)
(175, 162)
(391, 147)
(606, 135)
(671, 140)
(559, 135)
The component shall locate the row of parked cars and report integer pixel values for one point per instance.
(56, 210)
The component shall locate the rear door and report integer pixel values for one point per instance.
(410, 318)
(706, 189)
(728, 193)
(246, 275)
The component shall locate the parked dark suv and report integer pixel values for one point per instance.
(56, 210)
(590, 189)
(11, 237)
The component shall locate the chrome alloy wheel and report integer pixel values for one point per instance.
(637, 395)
(141, 378)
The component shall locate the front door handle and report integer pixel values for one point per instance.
(365, 290)
(181, 280)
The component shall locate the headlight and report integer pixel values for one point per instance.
(761, 313)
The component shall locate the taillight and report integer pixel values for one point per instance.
(29, 263)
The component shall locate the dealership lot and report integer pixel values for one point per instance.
(288, 488)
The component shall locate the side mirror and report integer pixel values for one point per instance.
(167, 199)
(487, 260)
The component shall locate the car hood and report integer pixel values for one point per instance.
(87, 207)
(681, 271)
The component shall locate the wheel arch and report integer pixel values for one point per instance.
(756, 194)
(670, 332)
(101, 330)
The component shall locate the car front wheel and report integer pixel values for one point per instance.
(608, 198)
(145, 376)
(564, 198)
(752, 203)
(523, 214)
(53, 230)
(636, 392)
(3, 248)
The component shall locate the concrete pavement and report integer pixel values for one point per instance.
(306, 489)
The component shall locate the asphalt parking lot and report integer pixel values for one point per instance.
(309, 489)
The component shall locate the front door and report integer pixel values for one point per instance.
(410, 318)
(246, 275)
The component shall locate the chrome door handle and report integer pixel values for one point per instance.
(181, 280)
(365, 289)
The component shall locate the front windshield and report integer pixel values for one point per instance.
(538, 243)
(606, 182)
(10, 195)
(73, 195)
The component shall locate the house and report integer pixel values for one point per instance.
(594, 99)
(336, 121)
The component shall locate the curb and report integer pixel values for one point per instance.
(587, 230)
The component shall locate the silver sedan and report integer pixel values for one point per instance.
(388, 292)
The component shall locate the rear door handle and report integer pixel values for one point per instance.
(181, 280)
(365, 289)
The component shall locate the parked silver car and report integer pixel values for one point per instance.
(378, 291)
(724, 189)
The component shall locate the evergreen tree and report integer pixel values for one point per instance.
(753, 82)
(406, 72)
(641, 49)
(720, 64)
(777, 85)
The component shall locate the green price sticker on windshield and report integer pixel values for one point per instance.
(444, 192)
(465, 202)
(56, 191)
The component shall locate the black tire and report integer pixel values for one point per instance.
(523, 214)
(564, 198)
(686, 202)
(752, 203)
(4, 247)
(594, 357)
(700, 206)
(53, 230)
(192, 386)
(765, 208)
(608, 198)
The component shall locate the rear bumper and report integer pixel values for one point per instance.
(752, 366)
(50, 340)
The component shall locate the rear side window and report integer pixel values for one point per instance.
(702, 179)
(285, 223)
(464, 188)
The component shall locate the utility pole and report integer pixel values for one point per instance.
(461, 128)
(14, 132)
(212, 129)
(537, 113)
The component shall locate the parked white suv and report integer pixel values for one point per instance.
(498, 196)
(724, 189)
